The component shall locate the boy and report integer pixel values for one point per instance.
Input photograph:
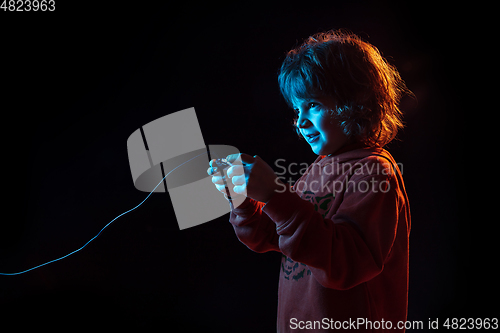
(343, 228)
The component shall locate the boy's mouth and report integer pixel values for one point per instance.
(312, 137)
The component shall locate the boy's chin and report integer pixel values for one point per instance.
(318, 151)
(322, 151)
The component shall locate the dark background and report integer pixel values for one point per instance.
(78, 81)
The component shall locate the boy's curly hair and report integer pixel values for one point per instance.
(365, 87)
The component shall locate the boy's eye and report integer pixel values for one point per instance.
(310, 105)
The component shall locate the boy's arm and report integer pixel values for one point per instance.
(254, 228)
(352, 246)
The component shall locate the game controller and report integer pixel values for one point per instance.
(222, 164)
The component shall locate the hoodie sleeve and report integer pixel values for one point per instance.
(350, 247)
(254, 228)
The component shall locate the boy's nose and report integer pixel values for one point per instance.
(302, 121)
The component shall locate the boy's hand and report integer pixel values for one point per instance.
(251, 176)
(218, 171)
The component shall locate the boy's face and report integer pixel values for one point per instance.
(323, 134)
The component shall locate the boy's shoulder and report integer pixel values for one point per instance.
(363, 160)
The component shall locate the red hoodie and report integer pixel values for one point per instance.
(343, 235)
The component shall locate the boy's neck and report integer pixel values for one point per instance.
(348, 147)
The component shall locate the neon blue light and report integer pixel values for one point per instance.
(128, 211)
